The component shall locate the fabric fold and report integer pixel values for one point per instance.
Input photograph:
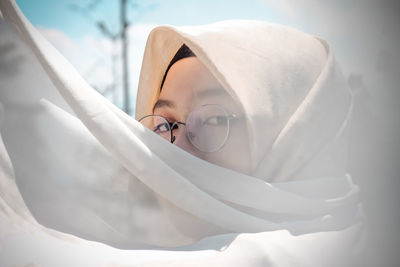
(134, 190)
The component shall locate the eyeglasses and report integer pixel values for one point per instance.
(207, 127)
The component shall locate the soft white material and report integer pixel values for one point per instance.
(102, 176)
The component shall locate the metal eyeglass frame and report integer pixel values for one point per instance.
(174, 125)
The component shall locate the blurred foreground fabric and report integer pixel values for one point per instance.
(84, 184)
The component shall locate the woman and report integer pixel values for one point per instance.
(197, 114)
(276, 105)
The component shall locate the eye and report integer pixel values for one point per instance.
(161, 128)
(215, 120)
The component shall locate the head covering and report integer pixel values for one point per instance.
(289, 84)
(296, 104)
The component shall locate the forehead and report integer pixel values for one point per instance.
(189, 80)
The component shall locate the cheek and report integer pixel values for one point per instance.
(235, 154)
(183, 142)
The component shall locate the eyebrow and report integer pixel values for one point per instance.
(163, 103)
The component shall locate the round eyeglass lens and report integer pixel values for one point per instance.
(157, 124)
(207, 127)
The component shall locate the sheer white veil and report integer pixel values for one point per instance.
(84, 167)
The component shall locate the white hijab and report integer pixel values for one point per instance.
(128, 188)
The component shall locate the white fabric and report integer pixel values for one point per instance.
(100, 175)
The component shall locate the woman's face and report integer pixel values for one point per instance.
(188, 86)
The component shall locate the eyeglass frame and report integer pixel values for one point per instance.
(174, 125)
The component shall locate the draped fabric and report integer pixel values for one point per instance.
(81, 180)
